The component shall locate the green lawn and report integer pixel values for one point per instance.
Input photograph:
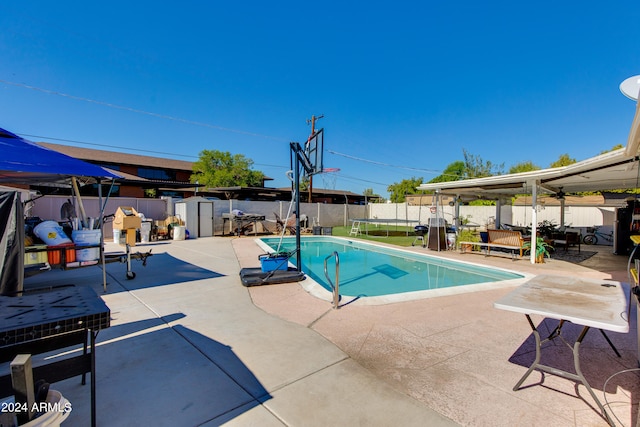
(397, 234)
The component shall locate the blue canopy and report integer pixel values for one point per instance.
(24, 162)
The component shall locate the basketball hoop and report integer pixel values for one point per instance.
(329, 177)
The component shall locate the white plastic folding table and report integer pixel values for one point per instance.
(590, 303)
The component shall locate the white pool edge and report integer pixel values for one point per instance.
(317, 290)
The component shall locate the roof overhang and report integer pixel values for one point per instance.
(608, 171)
(633, 143)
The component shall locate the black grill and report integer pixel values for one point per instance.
(421, 230)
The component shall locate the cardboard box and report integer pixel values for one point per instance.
(126, 217)
(130, 239)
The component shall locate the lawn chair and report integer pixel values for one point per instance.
(289, 225)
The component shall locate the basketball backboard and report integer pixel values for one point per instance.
(314, 149)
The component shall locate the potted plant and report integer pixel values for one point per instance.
(542, 249)
(547, 228)
(467, 235)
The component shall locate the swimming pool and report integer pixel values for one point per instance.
(384, 273)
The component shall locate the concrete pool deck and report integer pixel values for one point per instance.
(460, 356)
(189, 345)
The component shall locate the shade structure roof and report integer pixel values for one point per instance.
(609, 171)
(613, 170)
(24, 162)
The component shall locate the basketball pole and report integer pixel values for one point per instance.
(298, 159)
(313, 129)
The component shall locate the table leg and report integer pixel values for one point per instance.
(576, 362)
(93, 377)
(613, 347)
(578, 376)
(536, 361)
(84, 352)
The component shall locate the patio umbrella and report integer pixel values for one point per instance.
(24, 162)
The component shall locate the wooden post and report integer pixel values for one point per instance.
(313, 129)
(22, 382)
(76, 190)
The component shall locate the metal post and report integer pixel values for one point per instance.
(534, 220)
(296, 189)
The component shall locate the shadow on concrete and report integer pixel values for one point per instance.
(147, 373)
(162, 269)
(599, 362)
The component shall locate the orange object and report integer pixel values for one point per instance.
(54, 253)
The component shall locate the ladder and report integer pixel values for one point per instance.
(355, 228)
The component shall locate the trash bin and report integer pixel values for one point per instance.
(86, 238)
(56, 410)
(116, 235)
(179, 232)
(145, 231)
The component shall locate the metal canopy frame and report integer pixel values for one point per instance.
(612, 170)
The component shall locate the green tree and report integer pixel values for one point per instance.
(563, 160)
(371, 196)
(222, 169)
(398, 190)
(475, 167)
(527, 166)
(454, 172)
(615, 147)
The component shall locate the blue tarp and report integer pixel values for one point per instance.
(24, 162)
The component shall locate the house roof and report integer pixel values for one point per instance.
(114, 157)
(327, 191)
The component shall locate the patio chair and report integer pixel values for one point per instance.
(570, 238)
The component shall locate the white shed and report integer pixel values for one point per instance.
(197, 214)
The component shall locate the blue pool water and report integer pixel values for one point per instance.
(372, 270)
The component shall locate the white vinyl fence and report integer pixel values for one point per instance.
(332, 215)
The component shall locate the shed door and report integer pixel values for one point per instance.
(205, 218)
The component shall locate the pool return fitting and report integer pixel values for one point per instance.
(335, 288)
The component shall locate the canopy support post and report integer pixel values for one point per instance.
(534, 220)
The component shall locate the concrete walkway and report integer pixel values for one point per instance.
(187, 346)
(461, 356)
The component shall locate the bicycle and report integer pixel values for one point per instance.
(591, 238)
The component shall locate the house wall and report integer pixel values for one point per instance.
(183, 176)
(131, 191)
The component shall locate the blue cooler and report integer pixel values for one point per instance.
(274, 262)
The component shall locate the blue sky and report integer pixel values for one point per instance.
(404, 87)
